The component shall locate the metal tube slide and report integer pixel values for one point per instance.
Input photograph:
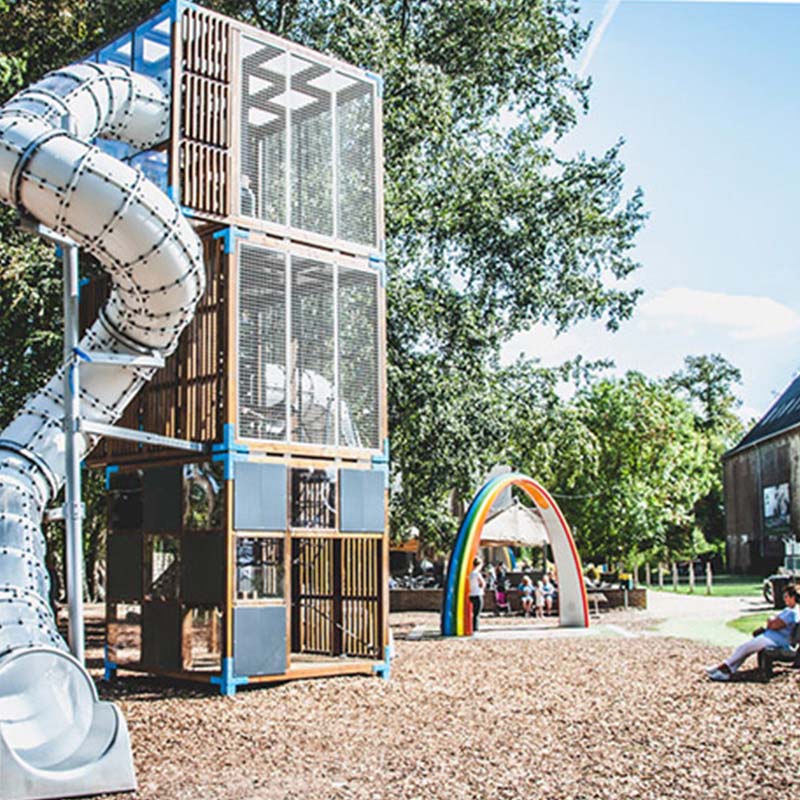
(56, 739)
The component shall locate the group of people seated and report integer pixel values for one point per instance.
(536, 598)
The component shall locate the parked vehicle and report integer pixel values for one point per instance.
(788, 573)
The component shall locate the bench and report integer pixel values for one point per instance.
(597, 598)
(791, 654)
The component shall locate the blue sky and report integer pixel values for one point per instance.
(707, 98)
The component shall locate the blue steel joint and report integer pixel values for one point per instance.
(226, 680)
(229, 237)
(381, 463)
(384, 668)
(110, 469)
(177, 7)
(109, 667)
(379, 83)
(378, 263)
(228, 451)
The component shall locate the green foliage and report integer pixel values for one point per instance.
(30, 325)
(645, 470)
(707, 383)
(488, 231)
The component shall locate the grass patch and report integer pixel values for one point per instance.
(724, 585)
(749, 622)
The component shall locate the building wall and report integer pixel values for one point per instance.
(754, 546)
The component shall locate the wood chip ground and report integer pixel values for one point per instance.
(471, 719)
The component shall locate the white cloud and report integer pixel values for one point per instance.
(747, 317)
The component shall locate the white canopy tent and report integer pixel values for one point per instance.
(515, 525)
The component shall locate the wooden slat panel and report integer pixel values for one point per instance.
(184, 398)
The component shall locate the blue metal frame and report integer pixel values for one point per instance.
(226, 680)
(381, 463)
(109, 667)
(384, 668)
(110, 469)
(379, 82)
(378, 263)
(228, 451)
(229, 237)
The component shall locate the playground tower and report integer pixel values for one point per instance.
(231, 368)
(257, 550)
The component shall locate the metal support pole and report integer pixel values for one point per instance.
(73, 510)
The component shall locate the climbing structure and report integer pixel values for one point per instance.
(229, 184)
(260, 553)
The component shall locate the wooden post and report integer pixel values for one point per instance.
(636, 575)
(709, 578)
(660, 574)
(674, 577)
(647, 573)
(691, 577)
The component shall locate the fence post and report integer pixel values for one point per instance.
(674, 577)
(691, 577)
(647, 573)
(709, 577)
(660, 574)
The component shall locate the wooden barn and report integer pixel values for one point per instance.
(762, 488)
(251, 544)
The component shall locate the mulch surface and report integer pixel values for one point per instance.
(582, 718)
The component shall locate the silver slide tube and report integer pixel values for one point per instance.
(49, 717)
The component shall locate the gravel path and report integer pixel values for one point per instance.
(554, 718)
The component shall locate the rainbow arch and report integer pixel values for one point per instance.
(573, 607)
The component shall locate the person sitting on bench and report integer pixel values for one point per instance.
(501, 604)
(526, 593)
(778, 633)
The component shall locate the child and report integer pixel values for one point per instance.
(549, 591)
(526, 595)
(501, 604)
(539, 600)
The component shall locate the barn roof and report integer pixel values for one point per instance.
(783, 415)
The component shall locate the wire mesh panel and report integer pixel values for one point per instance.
(262, 344)
(311, 146)
(262, 188)
(312, 355)
(359, 358)
(355, 136)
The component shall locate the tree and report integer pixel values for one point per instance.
(707, 381)
(488, 231)
(646, 470)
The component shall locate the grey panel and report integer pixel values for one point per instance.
(162, 499)
(259, 497)
(259, 640)
(203, 568)
(362, 500)
(161, 636)
(124, 580)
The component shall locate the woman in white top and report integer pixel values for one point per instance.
(477, 584)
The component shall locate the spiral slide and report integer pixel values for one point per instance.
(56, 738)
